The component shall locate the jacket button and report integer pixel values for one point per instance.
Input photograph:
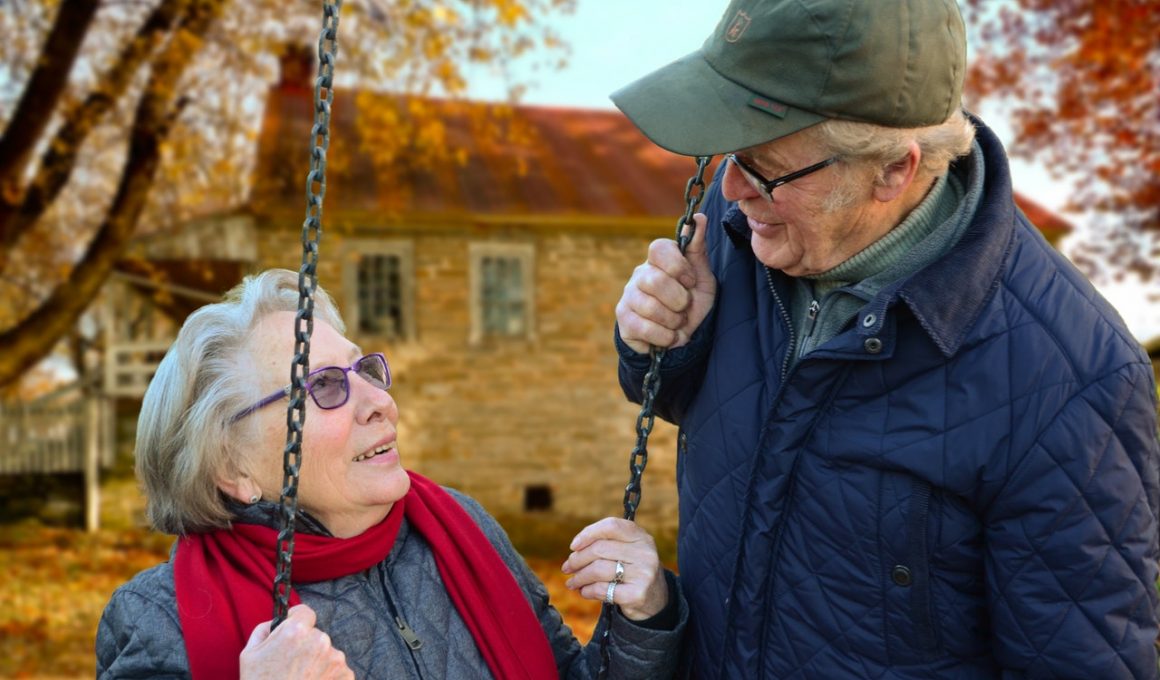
(873, 345)
(901, 575)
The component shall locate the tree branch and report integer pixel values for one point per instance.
(19, 213)
(42, 92)
(23, 345)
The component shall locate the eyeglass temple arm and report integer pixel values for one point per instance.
(280, 394)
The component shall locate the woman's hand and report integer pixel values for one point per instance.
(295, 649)
(642, 592)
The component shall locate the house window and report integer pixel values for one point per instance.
(380, 295)
(377, 282)
(502, 290)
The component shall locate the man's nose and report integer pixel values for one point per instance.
(734, 186)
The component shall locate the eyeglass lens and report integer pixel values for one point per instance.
(373, 369)
(330, 386)
(753, 180)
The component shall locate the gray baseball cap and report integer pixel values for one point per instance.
(773, 67)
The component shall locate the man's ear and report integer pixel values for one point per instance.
(899, 175)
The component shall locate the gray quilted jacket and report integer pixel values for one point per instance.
(140, 637)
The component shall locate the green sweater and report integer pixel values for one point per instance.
(826, 303)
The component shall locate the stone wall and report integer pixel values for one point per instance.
(503, 418)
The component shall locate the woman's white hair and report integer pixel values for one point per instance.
(186, 437)
(875, 147)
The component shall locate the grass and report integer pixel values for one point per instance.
(58, 580)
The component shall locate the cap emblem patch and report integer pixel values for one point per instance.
(737, 28)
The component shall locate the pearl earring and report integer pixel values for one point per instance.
(255, 498)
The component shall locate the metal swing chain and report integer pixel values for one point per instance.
(304, 319)
(638, 459)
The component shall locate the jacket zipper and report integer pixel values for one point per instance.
(808, 334)
(410, 638)
(756, 458)
(791, 483)
(788, 324)
(408, 634)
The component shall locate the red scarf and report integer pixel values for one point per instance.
(224, 581)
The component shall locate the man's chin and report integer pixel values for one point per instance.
(770, 250)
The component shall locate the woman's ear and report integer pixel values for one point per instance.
(240, 487)
(899, 175)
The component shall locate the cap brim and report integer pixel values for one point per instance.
(690, 109)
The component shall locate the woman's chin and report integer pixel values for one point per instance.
(396, 485)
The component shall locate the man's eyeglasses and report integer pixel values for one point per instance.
(329, 386)
(765, 186)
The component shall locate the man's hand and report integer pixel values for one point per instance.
(669, 295)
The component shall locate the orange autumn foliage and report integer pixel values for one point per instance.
(1080, 82)
(57, 581)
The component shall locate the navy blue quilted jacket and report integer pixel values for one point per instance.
(962, 484)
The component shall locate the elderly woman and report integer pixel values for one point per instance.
(396, 576)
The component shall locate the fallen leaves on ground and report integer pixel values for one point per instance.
(57, 582)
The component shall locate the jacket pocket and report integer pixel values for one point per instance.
(913, 633)
(918, 554)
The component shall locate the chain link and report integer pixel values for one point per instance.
(638, 459)
(304, 319)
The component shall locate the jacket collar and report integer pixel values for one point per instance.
(947, 296)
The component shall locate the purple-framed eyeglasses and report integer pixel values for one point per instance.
(765, 186)
(329, 386)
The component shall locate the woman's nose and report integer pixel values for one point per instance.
(734, 186)
(371, 401)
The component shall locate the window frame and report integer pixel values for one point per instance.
(525, 255)
(353, 250)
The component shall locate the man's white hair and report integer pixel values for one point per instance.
(866, 145)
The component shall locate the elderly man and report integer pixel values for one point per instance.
(914, 442)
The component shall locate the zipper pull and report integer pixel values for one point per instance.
(408, 634)
(813, 310)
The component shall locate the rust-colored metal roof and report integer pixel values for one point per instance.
(1049, 223)
(564, 162)
(558, 162)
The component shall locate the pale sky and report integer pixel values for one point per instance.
(613, 42)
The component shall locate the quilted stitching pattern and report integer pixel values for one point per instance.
(1037, 437)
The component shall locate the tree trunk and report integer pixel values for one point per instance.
(33, 339)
